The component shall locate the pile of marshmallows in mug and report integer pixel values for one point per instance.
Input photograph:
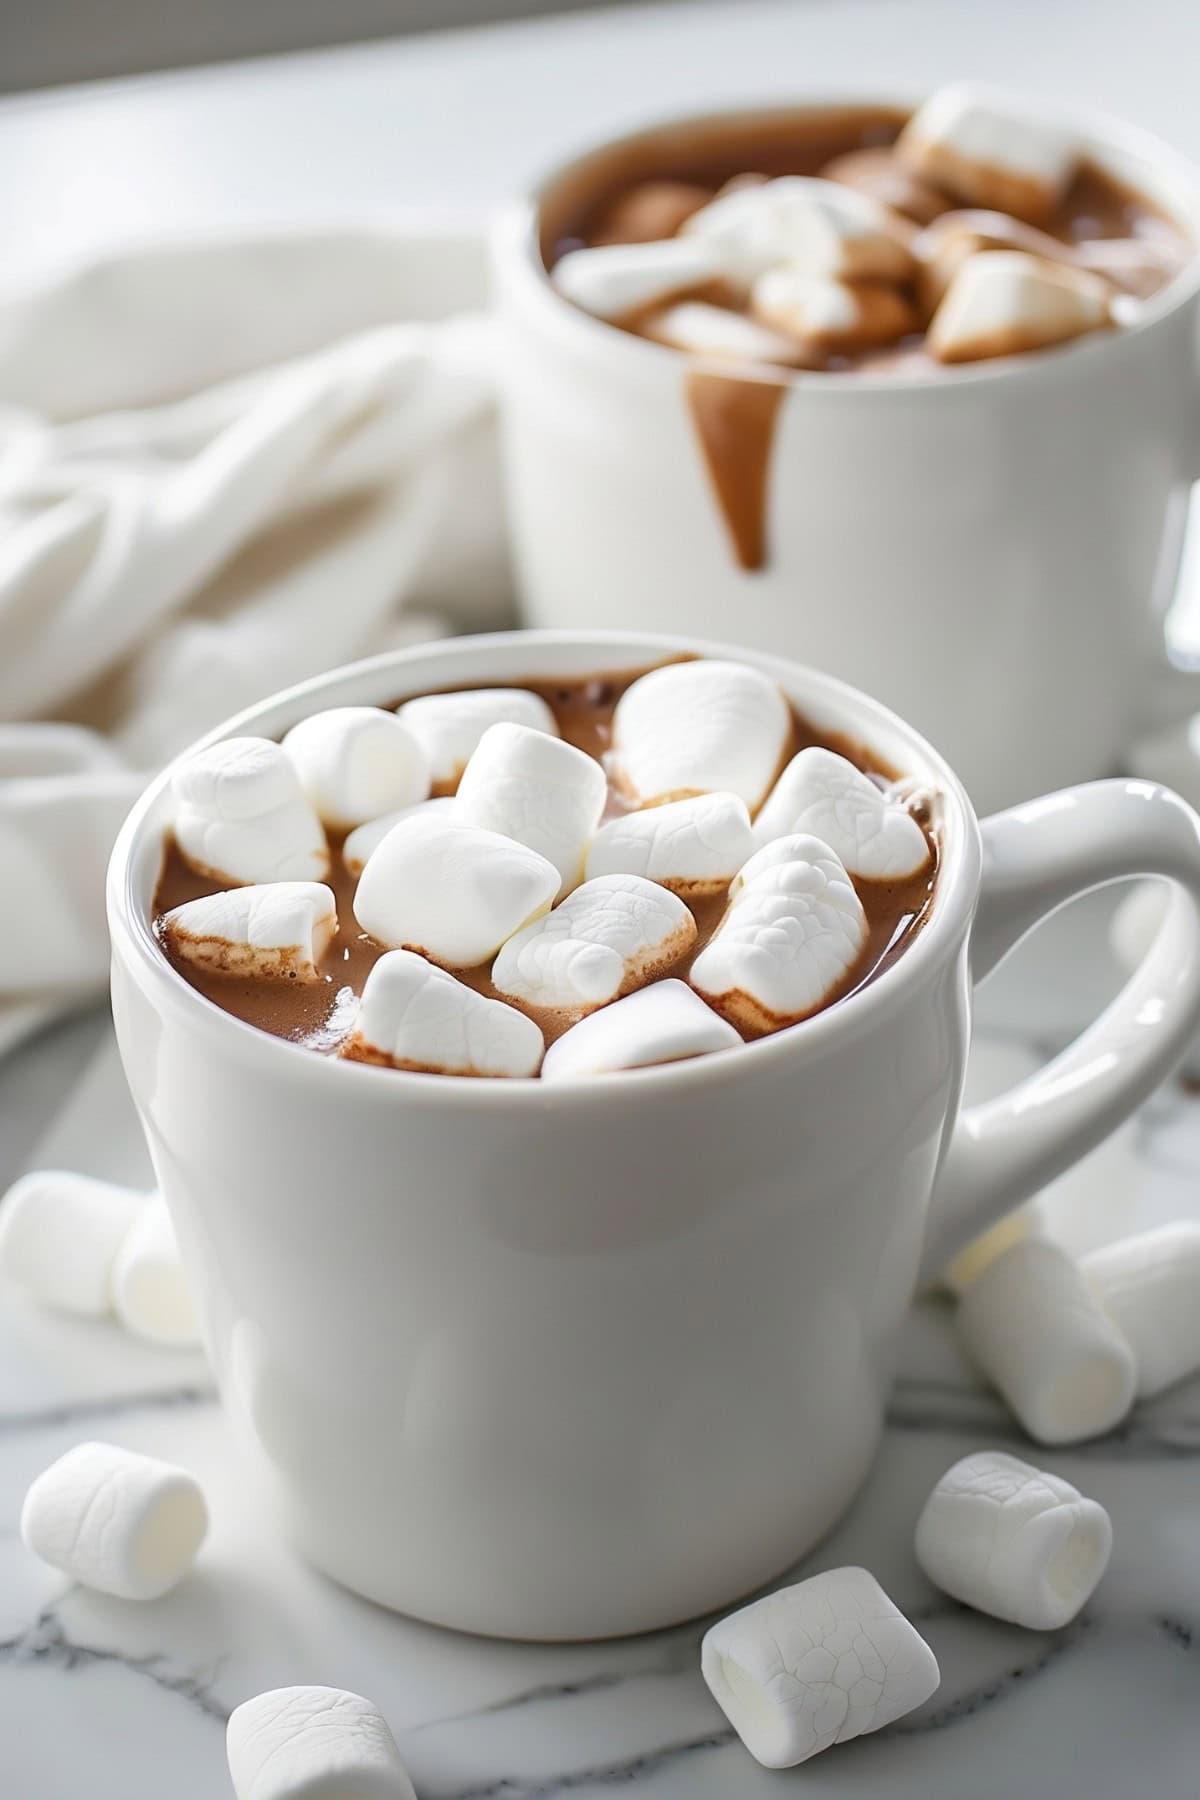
(823, 267)
(576, 917)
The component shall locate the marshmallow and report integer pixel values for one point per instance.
(612, 934)
(694, 847)
(829, 315)
(991, 150)
(824, 794)
(355, 762)
(364, 840)
(705, 330)
(699, 728)
(278, 930)
(449, 726)
(451, 890)
(943, 248)
(815, 1665)
(1005, 302)
(149, 1288)
(242, 816)
(882, 176)
(817, 227)
(1027, 1221)
(123, 1524)
(664, 1022)
(536, 790)
(59, 1237)
(1138, 266)
(1031, 1324)
(611, 280)
(1149, 1286)
(651, 209)
(313, 1743)
(415, 1016)
(793, 932)
(1013, 1541)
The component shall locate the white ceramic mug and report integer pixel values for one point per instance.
(990, 551)
(569, 1361)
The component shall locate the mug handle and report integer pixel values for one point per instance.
(1038, 856)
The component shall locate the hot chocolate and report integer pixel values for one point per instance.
(680, 837)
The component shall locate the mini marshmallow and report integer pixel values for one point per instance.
(611, 280)
(149, 1288)
(355, 762)
(705, 330)
(450, 726)
(832, 316)
(790, 937)
(536, 790)
(115, 1521)
(991, 150)
(1149, 1286)
(60, 1235)
(612, 934)
(1013, 1541)
(817, 1664)
(699, 728)
(415, 1016)
(1027, 1221)
(1005, 302)
(277, 930)
(1031, 1324)
(242, 816)
(662, 1023)
(694, 847)
(943, 248)
(313, 1743)
(883, 177)
(817, 227)
(364, 840)
(824, 794)
(451, 890)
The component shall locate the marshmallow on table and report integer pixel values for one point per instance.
(614, 933)
(150, 1292)
(1006, 302)
(355, 762)
(1033, 1327)
(536, 790)
(706, 330)
(118, 1522)
(991, 150)
(794, 930)
(981, 1252)
(824, 794)
(815, 1665)
(1013, 1541)
(415, 1016)
(611, 280)
(817, 227)
(449, 726)
(830, 315)
(276, 930)
(882, 175)
(313, 1743)
(1149, 1285)
(364, 840)
(699, 728)
(242, 816)
(60, 1235)
(451, 890)
(662, 1023)
(694, 847)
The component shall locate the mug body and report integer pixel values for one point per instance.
(989, 549)
(555, 1362)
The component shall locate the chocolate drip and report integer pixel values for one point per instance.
(734, 417)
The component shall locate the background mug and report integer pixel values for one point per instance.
(990, 551)
(572, 1361)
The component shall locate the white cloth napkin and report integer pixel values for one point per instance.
(224, 467)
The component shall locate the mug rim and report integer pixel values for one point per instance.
(515, 241)
(955, 892)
